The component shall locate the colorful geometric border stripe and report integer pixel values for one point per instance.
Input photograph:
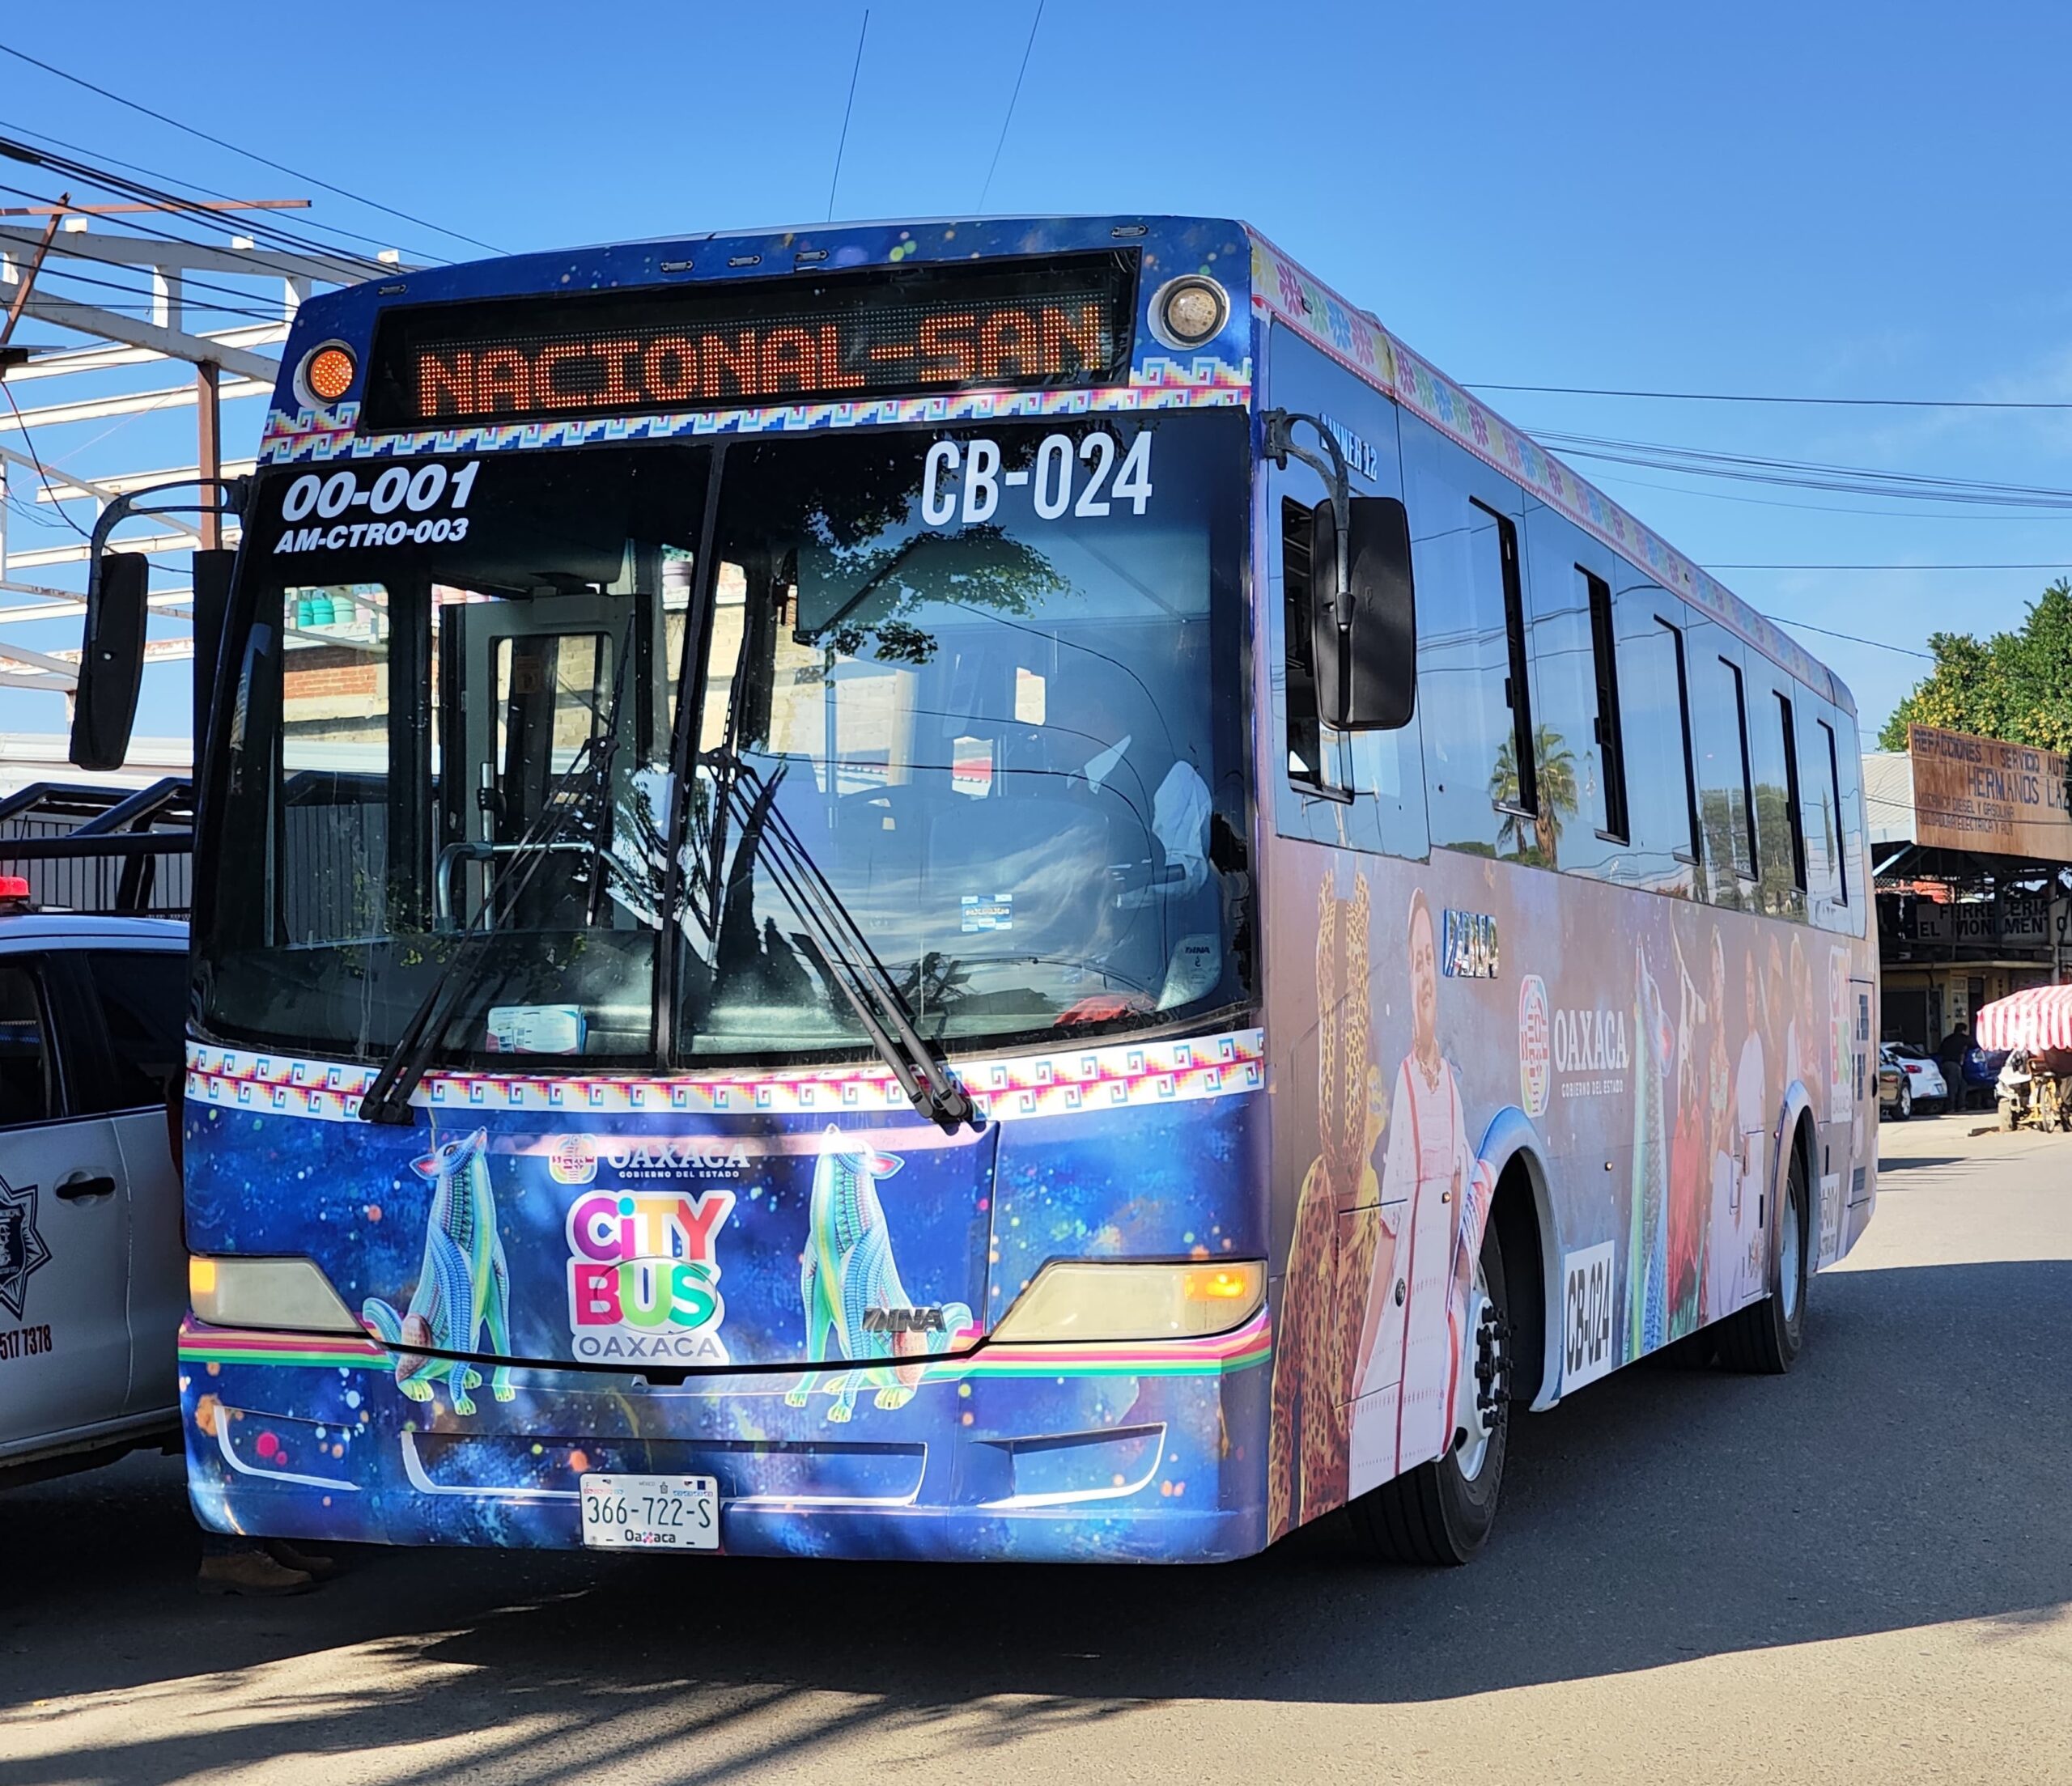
(201, 1345)
(316, 436)
(1357, 341)
(1167, 1070)
(1217, 1355)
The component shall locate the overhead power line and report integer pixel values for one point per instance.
(2049, 564)
(841, 144)
(259, 230)
(211, 192)
(993, 167)
(1854, 638)
(1743, 396)
(1999, 517)
(1804, 474)
(249, 154)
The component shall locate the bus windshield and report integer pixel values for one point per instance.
(973, 672)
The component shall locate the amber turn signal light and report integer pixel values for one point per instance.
(328, 373)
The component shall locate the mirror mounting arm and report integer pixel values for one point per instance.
(118, 600)
(230, 496)
(1280, 447)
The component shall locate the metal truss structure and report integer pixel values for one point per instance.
(161, 287)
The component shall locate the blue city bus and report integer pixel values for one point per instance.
(994, 890)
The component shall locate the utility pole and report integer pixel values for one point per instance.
(35, 266)
(208, 440)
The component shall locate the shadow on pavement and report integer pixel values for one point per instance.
(1897, 1478)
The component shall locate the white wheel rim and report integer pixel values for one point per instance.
(1472, 1452)
(1789, 1261)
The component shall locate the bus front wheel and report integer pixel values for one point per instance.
(1439, 1513)
(1767, 1336)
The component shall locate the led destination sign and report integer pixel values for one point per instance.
(1061, 322)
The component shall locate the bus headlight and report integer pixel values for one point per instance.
(1085, 1300)
(291, 1294)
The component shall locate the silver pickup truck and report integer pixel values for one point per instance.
(92, 1268)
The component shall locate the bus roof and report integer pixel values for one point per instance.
(1280, 288)
(1357, 339)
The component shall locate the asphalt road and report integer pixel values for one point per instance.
(1862, 1571)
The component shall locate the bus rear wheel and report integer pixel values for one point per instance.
(1440, 1514)
(1767, 1336)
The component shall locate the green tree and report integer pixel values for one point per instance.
(1554, 768)
(2015, 685)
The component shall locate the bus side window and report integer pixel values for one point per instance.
(1727, 817)
(1654, 686)
(1853, 896)
(1618, 826)
(1514, 785)
(1582, 826)
(1820, 779)
(1359, 790)
(1795, 813)
(1473, 688)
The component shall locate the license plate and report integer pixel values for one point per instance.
(651, 1513)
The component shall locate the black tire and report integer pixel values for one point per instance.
(1767, 1336)
(1903, 1110)
(1433, 1515)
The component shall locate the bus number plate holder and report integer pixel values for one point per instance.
(651, 1513)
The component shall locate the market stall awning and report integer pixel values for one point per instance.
(2038, 1019)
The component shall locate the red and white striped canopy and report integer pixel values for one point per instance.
(2037, 1019)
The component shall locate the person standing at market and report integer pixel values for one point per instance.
(1950, 1056)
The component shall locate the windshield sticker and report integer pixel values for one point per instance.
(643, 1276)
(536, 1029)
(981, 913)
(971, 766)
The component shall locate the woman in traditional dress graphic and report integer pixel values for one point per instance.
(1409, 1343)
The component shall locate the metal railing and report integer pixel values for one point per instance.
(102, 849)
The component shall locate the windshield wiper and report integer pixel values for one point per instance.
(577, 791)
(837, 942)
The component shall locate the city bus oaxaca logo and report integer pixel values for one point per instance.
(573, 1160)
(21, 1249)
(1591, 1051)
(1535, 1070)
(643, 1276)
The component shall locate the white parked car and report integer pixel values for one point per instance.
(1921, 1081)
(92, 1265)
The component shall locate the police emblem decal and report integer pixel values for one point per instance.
(22, 1247)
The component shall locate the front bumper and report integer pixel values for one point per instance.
(1149, 1452)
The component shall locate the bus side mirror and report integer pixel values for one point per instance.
(1364, 636)
(112, 662)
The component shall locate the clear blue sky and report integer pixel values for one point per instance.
(1860, 200)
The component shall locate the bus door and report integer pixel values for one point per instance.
(525, 687)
